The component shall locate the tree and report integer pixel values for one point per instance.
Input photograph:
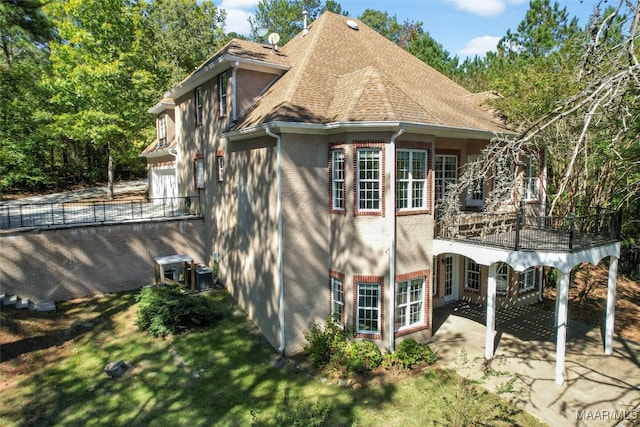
(181, 34)
(24, 32)
(284, 17)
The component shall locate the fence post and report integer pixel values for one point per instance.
(572, 223)
(518, 223)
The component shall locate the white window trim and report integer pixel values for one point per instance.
(471, 200)
(377, 287)
(162, 129)
(337, 183)
(219, 168)
(504, 277)
(440, 172)
(470, 275)
(199, 172)
(337, 319)
(222, 94)
(528, 280)
(409, 303)
(410, 181)
(377, 180)
(531, 179)
(198, 105)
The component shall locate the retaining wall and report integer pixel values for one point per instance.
(60, 264)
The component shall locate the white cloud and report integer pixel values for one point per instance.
(238, 13)
(484, 7)
(479, 46)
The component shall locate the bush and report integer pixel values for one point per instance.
(169, 310)
(362, 356)
(325, 344)
(408, 354)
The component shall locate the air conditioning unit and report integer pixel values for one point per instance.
(204, 278)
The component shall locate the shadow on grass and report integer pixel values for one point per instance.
(225, 375)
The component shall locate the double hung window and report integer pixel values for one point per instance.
(369, 187)
(411, 179)
(198, 104)
(473, 275)
(337, 179)
(409, 303)
(527, 279)
(368, 308)
(337, 300)
(445, 172)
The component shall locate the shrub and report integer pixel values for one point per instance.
(362, 356)
(300, 414)
(325, 344)
(408, 354)
(169, 310)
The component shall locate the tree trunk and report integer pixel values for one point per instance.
(110, 177)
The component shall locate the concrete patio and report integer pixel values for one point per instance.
(599, 390)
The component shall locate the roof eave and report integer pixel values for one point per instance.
(362, 126)
(219, 65)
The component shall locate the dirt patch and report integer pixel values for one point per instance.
(588, 300)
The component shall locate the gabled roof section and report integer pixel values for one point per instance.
(240, 53)
(159, 149)
(343, 74)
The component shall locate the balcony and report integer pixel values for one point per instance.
(530, 228)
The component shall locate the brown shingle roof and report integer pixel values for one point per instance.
(341, 74)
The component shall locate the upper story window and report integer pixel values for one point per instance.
(445, 172)
(475, 192)
(162, 129)
(198, 171)
(369, 180)
(198, 104)
(411, 179)
(222, 94)
(531, 180)
(337, 179)
(220, 166)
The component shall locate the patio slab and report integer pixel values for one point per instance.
(599, 390)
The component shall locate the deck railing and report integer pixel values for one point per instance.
(44, 215)
(531, 229)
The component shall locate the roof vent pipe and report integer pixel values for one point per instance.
(305, 29)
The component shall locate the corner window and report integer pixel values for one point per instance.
(409, 303)
(368, 308)
(219, 167)
(531, 181)
(369, 182)
(411, 179)
(472, 275)
(198, 104)
(445, 172)
(528, 279)
(162, 129)
(337, 299)
(198, 171)
(222, 93)
(337, 179)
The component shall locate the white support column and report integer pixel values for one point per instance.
(611, 305)
(562, 297)
(491, 312)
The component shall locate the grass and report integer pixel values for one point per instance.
(218, 376)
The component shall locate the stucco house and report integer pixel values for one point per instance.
(319, 165)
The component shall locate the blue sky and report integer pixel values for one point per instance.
(463, 27)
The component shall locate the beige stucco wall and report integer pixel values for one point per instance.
(64, 263)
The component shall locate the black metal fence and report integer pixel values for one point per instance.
(43, 215)
(531, 229)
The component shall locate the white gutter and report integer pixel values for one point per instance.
(374, 126)
(392, 237)
(280, 235)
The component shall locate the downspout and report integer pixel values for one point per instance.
(392, 238)
(280, 236)
(234, 88)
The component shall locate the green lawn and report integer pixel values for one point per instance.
(219, 376)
